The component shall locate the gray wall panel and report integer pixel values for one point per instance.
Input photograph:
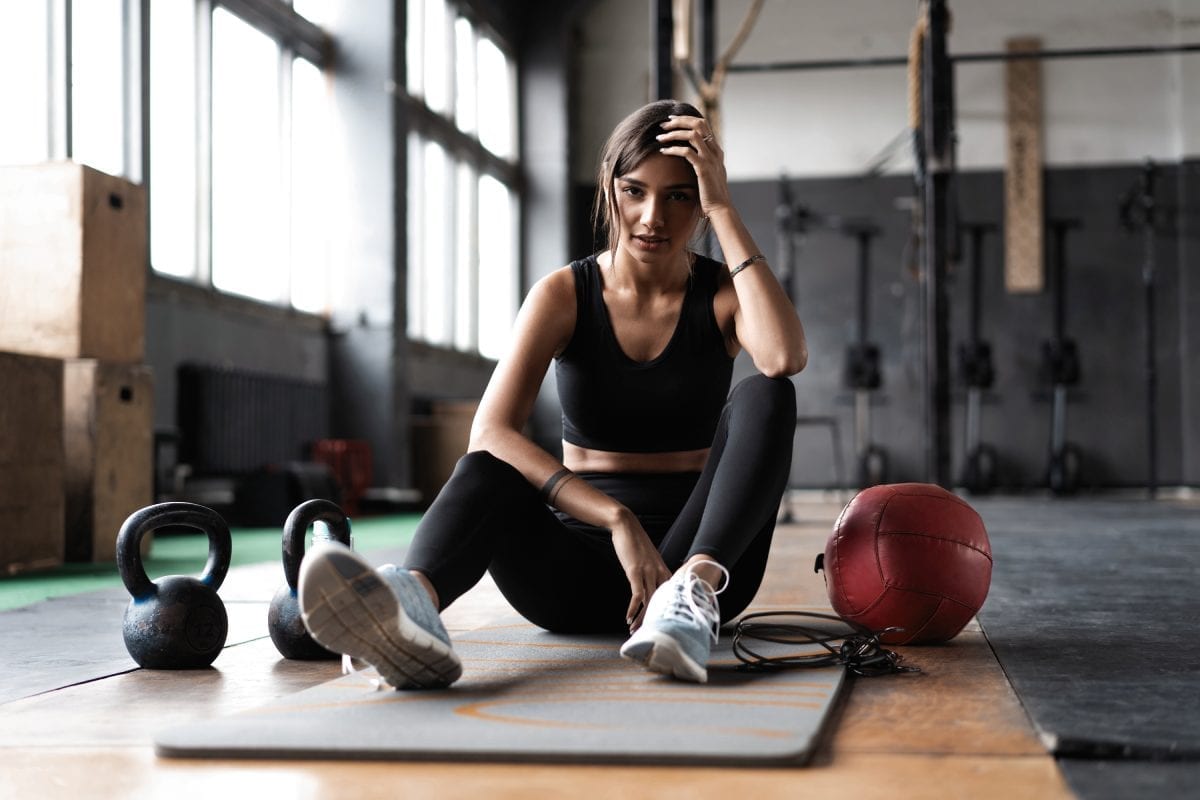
(178, 331)
(1106, 416)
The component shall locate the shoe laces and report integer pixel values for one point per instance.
(694, 600)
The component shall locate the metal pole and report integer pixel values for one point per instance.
(864, 277)
(660, 65)
(900, 61)
(785, 239)
(708, 38)
(977, 234)
(938, 124)
(1148, 268)
(1060, 228)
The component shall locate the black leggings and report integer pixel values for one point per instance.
(564, 575)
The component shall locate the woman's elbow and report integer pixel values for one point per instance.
(481, 438)
(783, 364)
(491, 436)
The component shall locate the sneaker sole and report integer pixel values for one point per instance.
(660, 653)
(348, 609)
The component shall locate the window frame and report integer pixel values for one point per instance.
(296, 37)
(462, 148)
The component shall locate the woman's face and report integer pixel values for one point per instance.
(658, 206)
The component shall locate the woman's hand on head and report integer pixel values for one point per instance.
(643, 564)
(692, 139)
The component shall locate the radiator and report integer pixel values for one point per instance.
(234, 422)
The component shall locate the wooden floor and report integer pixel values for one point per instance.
(954, 731)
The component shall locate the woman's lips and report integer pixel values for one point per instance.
(651, 242)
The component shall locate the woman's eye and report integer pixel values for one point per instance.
(632, 191)
(680, 196)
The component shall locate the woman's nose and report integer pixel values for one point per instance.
(652, 212)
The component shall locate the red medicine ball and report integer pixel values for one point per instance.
(911, 556)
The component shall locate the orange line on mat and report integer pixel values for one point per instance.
(558, 645)
(640, 683)
(476, 711)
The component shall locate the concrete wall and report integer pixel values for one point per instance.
(1106, 411)
(184, 324)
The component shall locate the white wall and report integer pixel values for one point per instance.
(1097, 110)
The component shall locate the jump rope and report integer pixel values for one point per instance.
(858, 649)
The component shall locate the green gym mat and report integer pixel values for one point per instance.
(528, 695)
(184, 554)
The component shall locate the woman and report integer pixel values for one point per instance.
(669, 484)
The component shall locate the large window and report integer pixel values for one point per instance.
(100, 87)
(234, 143)
(238, 151)
(463, 280)
(25, 49)
(237, 116)
(70, 95)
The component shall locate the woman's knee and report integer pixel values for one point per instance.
(480, 471)
(769, 401)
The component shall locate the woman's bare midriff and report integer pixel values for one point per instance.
(583, 459)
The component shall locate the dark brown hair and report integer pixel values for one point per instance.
(628, 145)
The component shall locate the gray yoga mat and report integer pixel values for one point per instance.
(528, 695)
(1092, 614)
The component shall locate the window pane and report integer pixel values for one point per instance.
(310, 170)
(173, 139)
(497, 99)
(466, 250)
(247, 209)
(24, 134)
(497, 266)
(435, 266)
(98, 85)
(465, 79)
(317, 11)
(416, 238)
(414, 47)
(437, 52)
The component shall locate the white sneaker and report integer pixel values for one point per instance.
(383, 617)
(679, 629)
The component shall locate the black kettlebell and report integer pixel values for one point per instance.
(178, 622)
(291, 638)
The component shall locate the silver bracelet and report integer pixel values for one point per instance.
(746, 263)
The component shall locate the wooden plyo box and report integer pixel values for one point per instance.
(439, 441)
(73, 254)
(108, 439)
(31, 463)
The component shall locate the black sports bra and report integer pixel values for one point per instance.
(670, 403)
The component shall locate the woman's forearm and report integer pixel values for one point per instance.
(571, 495)
(767, 324)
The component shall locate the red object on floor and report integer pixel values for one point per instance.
(350, 462)
(912, 556)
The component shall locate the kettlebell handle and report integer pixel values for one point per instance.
(174, 514)
(296, 528)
